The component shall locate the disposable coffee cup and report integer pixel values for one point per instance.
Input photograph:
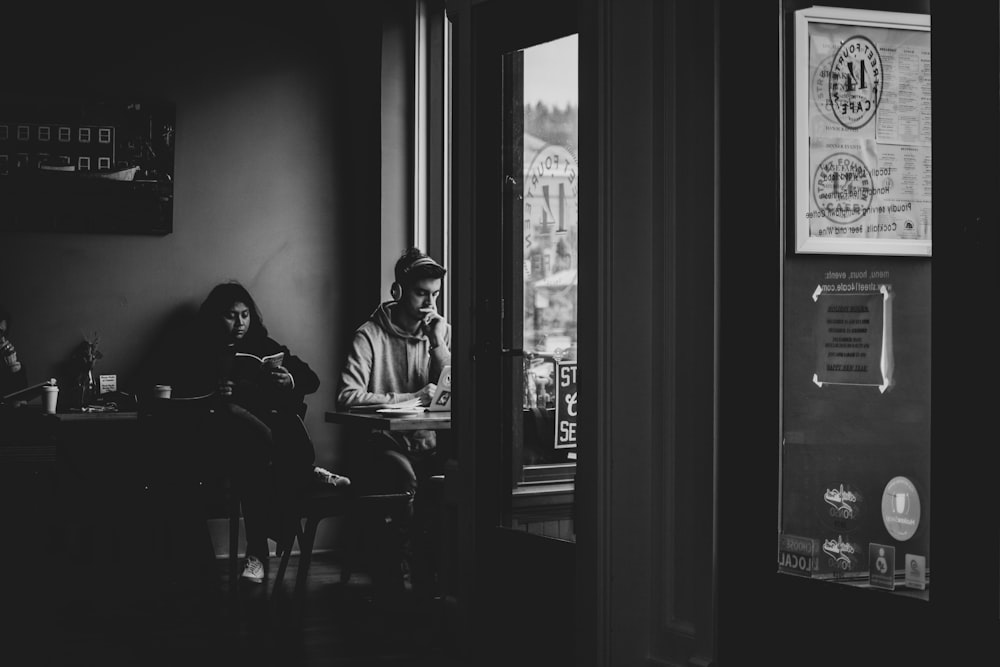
(161, 390)
(50, 395)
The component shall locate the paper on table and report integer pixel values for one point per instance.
(378, 407)
(396, 410)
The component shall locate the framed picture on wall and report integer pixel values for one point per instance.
(862, 132)
(84, 165)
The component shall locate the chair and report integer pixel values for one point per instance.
(178, 433)
(325, 501)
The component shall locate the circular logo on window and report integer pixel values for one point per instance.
(550, 191)
(901, 508)
(856, 82)
(842, 187)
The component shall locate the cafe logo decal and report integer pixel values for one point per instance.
(901, 508)
(840, 555)
(844, 503)
(856, 82)
(550, 193)
(842, 188)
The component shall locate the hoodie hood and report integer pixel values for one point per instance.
(383, 317)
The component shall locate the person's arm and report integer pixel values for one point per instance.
(303, 379)
(439, 348)
(13, 376)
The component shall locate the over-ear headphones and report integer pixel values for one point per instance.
(403, 270)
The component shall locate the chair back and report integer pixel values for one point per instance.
(179, 439)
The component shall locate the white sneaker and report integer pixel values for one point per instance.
(253, 570)
(324, 476)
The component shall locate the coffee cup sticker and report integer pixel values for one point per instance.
(901, 508)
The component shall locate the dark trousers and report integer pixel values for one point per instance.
(271, 458)
(386, 466)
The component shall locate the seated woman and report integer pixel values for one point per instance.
(259, 420)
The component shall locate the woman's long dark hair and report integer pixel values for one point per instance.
(220, 300)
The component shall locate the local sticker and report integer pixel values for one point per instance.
(842, 188)
(856, 82)
(901, 508)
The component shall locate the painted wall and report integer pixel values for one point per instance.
(276, 169)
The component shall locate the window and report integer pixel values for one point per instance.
(43, 132)
(3, 133)
(83, 164)
(3, 165)
(64, 134)
(104, 135)
(103, 163)
(23, 132)
(84, 135)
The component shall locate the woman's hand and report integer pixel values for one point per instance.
(280, 376)
(226, 388)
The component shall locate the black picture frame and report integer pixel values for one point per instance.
(86, 165)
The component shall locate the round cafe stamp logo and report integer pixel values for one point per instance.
(856, 82)
(901, 508)
(821, 89)
(842, 188)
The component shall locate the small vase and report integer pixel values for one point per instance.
(88, 392)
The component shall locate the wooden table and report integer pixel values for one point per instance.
(375, 421)
(27, 434)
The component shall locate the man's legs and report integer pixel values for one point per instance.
(382, 468)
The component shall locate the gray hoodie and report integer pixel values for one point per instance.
(388, 365)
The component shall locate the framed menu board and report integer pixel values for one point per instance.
(862, 127)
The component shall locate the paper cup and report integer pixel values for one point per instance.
(161, 390)
(50, 395)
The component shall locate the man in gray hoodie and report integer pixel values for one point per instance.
(397, 356)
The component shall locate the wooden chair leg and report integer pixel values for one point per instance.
(234, 544)
(286, 551)
(305, 554)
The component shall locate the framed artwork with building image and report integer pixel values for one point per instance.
(80, 165)
(862, 128)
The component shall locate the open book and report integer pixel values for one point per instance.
(249, 367)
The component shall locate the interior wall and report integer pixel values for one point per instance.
(398, 130)
(276, 119)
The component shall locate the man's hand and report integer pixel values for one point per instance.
(226, 388)
(425, 395)
(433, 327)
(9, 355)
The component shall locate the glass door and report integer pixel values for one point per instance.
(540, 215)
(524, 238)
